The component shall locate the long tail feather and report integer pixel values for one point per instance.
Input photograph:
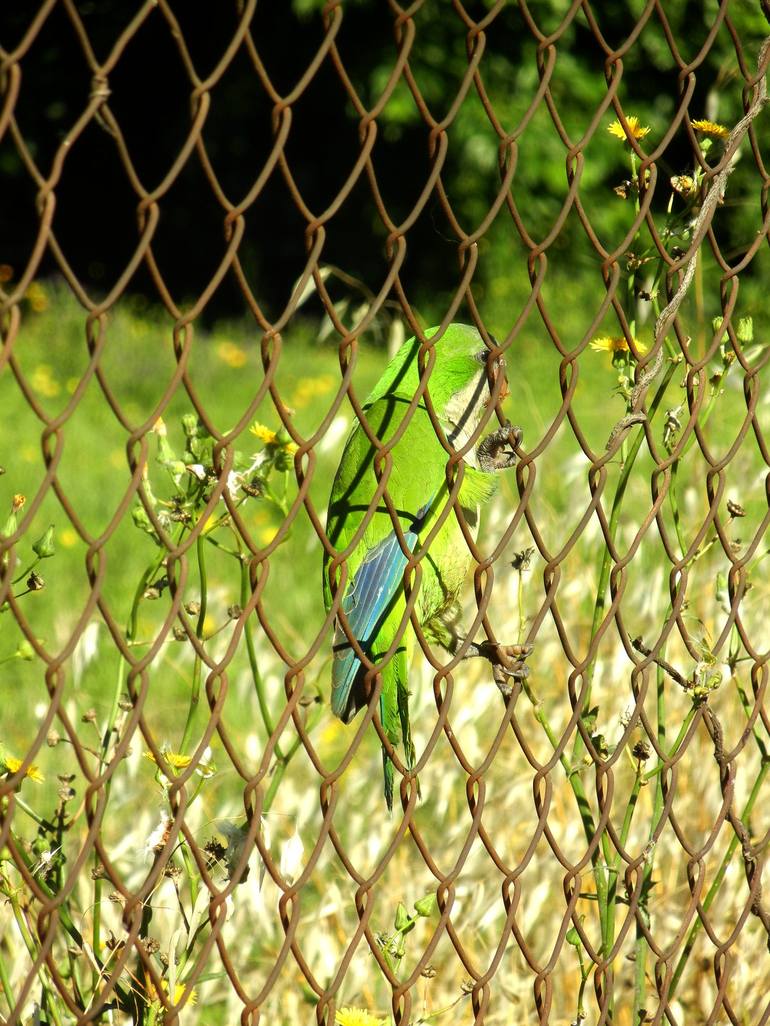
(387, 773)
(367, 600)
(410, 755)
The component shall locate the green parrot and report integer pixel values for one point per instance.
(373, 600)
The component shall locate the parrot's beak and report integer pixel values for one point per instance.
(504, 389)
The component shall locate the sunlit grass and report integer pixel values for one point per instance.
(89, 682)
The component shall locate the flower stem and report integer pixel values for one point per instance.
(195, 691)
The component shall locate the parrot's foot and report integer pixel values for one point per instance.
(508, 662)
(498, 450)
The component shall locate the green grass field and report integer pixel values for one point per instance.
(91, 682)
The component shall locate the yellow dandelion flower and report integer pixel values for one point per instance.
(712, 128)
(176, 760)
(263, 433)
(308, 389)
(270, 437)
(635, 127)
(11, 765)
(357, 1017)
(231, 354)
(616, 344)
(212, 523)
(332, 732)
(44, 382)
(37, 297)
(267, 534)
(179, 990)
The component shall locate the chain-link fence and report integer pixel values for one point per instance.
(195, 303)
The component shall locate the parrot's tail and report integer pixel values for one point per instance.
(410, 754)
(387, 773)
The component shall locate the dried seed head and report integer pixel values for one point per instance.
(685, 185)
(35, 582)
(215, 852)
(521, 560)
(641, 750)
(255, 487)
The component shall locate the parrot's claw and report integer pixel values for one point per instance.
(498, 450)
(508, 662)
(503, 681)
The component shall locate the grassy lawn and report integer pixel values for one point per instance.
(102, 548)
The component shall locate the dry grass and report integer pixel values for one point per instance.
(526, 844)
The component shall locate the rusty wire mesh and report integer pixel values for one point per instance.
(532, 809)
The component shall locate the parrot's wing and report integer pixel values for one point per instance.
(366, 603)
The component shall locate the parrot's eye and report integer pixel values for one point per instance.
(483, 356)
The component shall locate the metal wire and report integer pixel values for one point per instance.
(648, 659)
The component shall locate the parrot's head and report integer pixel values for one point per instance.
(463, 379)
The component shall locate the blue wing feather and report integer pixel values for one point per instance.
(365, 603)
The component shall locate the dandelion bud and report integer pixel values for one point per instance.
(44, 547)
(25, 651)
(403, 920)
(426, 906)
